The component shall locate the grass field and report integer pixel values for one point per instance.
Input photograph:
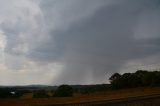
(78, 98)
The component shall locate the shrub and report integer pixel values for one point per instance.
(64, 91)
(40, 94)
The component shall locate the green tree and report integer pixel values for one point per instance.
(5, 93)
(64, 91)
(137, 79)
(115, 76)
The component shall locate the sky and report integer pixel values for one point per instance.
(53, 42)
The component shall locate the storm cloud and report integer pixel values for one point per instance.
(77, 41)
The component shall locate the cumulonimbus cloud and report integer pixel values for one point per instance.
(88, 40)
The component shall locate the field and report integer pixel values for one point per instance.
(26, 100)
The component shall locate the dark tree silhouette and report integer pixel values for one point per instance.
(64, 91)
(137, 79)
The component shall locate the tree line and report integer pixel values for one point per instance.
(140, 78)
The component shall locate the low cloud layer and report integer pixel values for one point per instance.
(76, 41)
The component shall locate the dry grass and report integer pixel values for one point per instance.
(108, 95)
(27, 96)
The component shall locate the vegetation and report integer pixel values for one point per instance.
(98, 96)
(138, 79)
(64, 91)
(141, 78)
(88, 89)
(40, 94)
(9, 93)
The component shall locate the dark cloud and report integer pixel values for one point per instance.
(90, 39)
(99, 44)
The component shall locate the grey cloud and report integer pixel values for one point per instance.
(99, 44)
(91, 39)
